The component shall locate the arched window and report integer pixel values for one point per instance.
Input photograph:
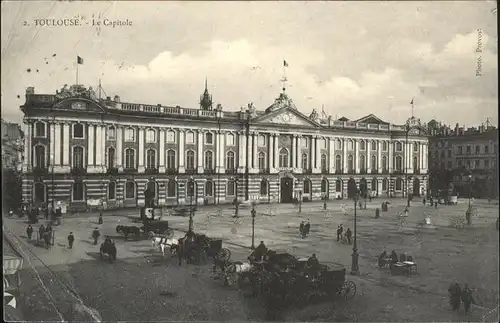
(171, 160)
(190, 160)
(304, 161)
(150, 136)
(151, 159)
(415, 163)
(324, 186)
(78, 132)
(338, 163)
(111, 157)
(384, 163)
(373, 145)
(231, 188)
(399, 146)
(39, 193)
(362, 163)
(191, 188)
(399, 163)
(130, 135)
(172, 188)
(171, 136)
(324, 167)
(262, 160)
(129, 158)
(307, 186)
(78, 191)
(78, 157)
(111, 133)
(399, 184)
(111, 191)
(338, 144)
(189, 137)
(362, 145)
(130, 190)
(373, 162)
(209, 188)
(374, 185)
(350, 164)
(415, 147)
(209, 160)
(230, 160)
(384, 145)
(40, 129)
(40, 159)
(478, 150)
(338, 185)
(350, 145)
(209, 138)
(264, 187)
(283, 158)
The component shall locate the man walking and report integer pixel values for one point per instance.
(301, 229)
(340, 230)
(454, 293)
(29, 231)
(466, 297)
(95, 235)
(348, 235)
(41, 232)
(71, 239)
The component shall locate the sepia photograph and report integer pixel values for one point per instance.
(250, 161)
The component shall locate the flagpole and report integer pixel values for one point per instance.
(76, 69)
(99, 89)
(412, 107)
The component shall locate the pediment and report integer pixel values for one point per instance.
(286, 117)
(79, 104)
(371, 118)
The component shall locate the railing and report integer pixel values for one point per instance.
(151, 171)
(40, 170)
(130, 170)
(385, 171)
(339, 171)
(231, 171)
(398, 172)
(374, 171)
(363, 171)
(325, 171)
(172, 171)
(307, 171)
(112, 171)
(190, 171)
(78, 171)
(209, 171)
(263, 170)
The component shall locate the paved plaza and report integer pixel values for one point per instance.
(143, 286)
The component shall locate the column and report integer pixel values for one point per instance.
(356, 155)
(312, 155)
(66, 148)
(368, 158)
(241, 148)
(181, 153)
(200, 151)
(317, 161)
(379, 157)
(255, 157)
(141, 151)
(425, 153)
(331, 157)
(407, 158)
(276, 151)
(161, 162)
(52, 146)
(57, 145)
(221, 153)
(271, 153)
(298, 150)
(98, 151)
(27, 146)
(391, 156)
(90, 148)
(119, 147)
(249, 152)
(344, 157)
(293, 152)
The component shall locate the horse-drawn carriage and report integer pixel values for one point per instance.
(282, 276)
(197, 248)
(108, 248)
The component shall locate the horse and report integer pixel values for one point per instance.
(239, 269)
(163, 243)
(109, 249)
(126, 230)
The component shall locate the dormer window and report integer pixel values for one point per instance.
(40, 130)
(78, 131)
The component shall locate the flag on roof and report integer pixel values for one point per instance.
(79, 60)
(285, 64)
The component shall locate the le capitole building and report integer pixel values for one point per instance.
(87, 151)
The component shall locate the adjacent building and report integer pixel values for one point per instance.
(469, 155)
(84, 150)
(12, 145)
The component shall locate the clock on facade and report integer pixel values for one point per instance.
(79, 105)
(286, 117)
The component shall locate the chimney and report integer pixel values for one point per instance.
(108, 98)
(117, 98)
(456, 129)
(481, 128)
(29, 91)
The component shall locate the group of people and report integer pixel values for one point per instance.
(304, 228)
(393, 258)
(432, 202)
(44, 233)
(458, 295)
(344, 237)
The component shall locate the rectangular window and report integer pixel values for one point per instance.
(449, 153)
(171, 136)
(209, 138)
(190, 137)
(486, 163)
(129, 135)
(262, 141)
(230, 139)
(450, 165)
(230, 188)
(40, 129)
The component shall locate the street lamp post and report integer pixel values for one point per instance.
(253, 225)
(355, 255)
(236, 205)
(278, 187)
(406, 156)
(470, 179)
(191, 191)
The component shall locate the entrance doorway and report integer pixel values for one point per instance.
(286, 188)
(351, 188)
(416, 187)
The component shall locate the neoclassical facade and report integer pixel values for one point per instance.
(88, 151)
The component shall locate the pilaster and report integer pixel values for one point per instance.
(119, 147)
(99, 158)
(368, 159)
(379, 157)
(141, 168)
(391, 156)
(317, 156)
(27, 146)
(57, 144)
(344, 157)
(255, 161)
(356, 156)
(90, 148)
(241, 152)
(331, 156)
(181, 153)
(276, 151)
(200, 151)
(161, 162)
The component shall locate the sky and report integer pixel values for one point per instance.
(346, 58)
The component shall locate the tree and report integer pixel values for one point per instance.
(12, 189)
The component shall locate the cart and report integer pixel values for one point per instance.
(11, 276)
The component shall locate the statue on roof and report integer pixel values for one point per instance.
(75, 90)
(251, 110)
(283, 101)
(218, 107)
(314, 115)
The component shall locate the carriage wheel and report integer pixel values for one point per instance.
(224, 254)
(169, 233)
(348, 290)
(151, 234)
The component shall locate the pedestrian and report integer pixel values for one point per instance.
(46, 212)
(435, 204)
(466, 297)
(454, 293)
(424, 201)
(100, 218)
(348, 235)
(46, 238)
(71, 239)
(301, 229)
(340, 231)
(29, 231)
(41, 232)
(369, 198)
(96, 235)
(307, 227)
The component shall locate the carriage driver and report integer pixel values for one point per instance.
(313, 265)
(107, 240)
(260, 251)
